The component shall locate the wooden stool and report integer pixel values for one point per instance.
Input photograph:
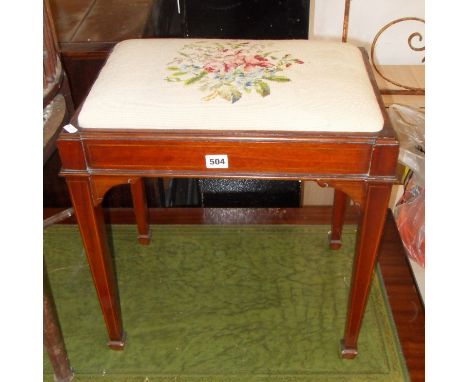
(296, 110)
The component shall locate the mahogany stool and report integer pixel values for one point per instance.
(287, 109)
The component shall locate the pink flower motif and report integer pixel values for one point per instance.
(227, 65)
(224, 61)
(227, 61)
(257, 60)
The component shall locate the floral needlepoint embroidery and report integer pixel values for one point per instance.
(229, 69)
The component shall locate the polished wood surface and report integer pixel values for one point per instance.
(87, 30)
(339, 207)
(362, 165)
(99, 21)
(368, 239)
(91, 223)
(83, 69)
(140, 208)
(55, 194)
(56, 95)
(68, 16)
(405, 302)
(52, 334)
(51, 63)
(246, 158)
(58, 108)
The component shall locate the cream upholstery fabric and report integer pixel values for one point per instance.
(288, 85)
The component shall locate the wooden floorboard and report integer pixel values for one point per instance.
(405, 302)
(407, 307)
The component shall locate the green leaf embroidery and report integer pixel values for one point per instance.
(262, 88)
(210, 96)
(229, 93)
(236, 95)
(229, 79)
(277, 78)
(195, 79)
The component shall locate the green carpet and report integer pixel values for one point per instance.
(221, 303)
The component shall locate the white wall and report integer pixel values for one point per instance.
(366, 19)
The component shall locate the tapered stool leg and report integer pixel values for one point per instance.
(91, 224)
(339, 207)
(140, 209)
(373, 215)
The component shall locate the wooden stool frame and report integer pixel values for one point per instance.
(359, 165)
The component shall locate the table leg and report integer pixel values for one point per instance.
(91, 223)
(374, 209)
(339, 207)
(140, 209)
(53, 339)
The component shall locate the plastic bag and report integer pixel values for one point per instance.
(410, 209)
(409, 214)
(409, 126)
